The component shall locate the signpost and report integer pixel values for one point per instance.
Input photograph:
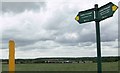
(85, 16)
(106, 11)
(97, 14)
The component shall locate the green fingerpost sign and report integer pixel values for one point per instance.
(106, 11)
(97, 14)
(85, 16)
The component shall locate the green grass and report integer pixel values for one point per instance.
(113, 66)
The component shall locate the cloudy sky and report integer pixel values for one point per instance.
(48, 29)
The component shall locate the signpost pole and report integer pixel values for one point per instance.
(99, 67)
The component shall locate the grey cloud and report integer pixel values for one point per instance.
(119, 22)
(85, 44)
(49, 35)
(61, 22)
(62, 40)
(23, 39)
(119, 29)
(109, 32)
(112, 44)
(115, 46)
(18, 7)
(39, 45)
(81, 39)
(0, 8)
(90, 37)
(83, 36)
(19, 42)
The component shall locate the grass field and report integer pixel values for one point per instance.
(111, 66)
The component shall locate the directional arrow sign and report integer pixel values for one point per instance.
(85, 16)
(106, 11)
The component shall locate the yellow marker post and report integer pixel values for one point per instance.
(11, 56)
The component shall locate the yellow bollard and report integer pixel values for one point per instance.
(11, 56)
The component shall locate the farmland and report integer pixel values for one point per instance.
(106, 66)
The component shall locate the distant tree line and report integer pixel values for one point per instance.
(63, 60)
